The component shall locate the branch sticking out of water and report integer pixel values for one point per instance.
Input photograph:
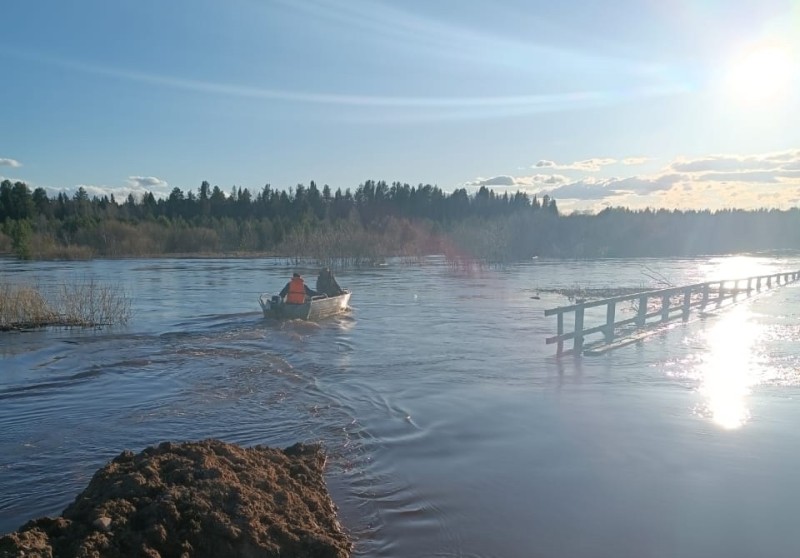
(661, 280)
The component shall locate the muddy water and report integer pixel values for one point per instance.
(451, 428)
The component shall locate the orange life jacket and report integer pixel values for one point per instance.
(297, 291)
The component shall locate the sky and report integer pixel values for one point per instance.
(669, 103)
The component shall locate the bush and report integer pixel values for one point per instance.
(85, 304)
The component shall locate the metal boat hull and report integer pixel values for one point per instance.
(315, 309)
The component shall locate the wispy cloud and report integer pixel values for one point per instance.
(588, 165)
(630, 161)
(474, 44)
(412, 107)
(9, 163)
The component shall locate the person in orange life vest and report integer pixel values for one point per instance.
(296, 290)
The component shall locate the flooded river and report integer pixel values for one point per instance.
(451, 429)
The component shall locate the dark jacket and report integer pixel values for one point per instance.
(327, 284)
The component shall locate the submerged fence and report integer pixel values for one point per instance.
(652, 308)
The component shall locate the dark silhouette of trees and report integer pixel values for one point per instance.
(377, 217)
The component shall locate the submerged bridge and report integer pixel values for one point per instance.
(651, 310)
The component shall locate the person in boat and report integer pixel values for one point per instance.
(296, 290)
(326, 283)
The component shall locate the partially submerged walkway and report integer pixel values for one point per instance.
(651, 311)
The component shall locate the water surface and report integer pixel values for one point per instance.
(451, 428)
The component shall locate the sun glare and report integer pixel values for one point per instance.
(761, 75)
(730, 368)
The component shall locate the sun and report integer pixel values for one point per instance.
(761, 75)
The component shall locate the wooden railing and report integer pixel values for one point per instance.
(662, 304)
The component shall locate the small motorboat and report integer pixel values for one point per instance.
(314, 308)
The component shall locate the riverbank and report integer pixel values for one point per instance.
(201, 499)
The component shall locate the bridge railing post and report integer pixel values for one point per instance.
(578, 340)
(687, 302)
(611, 310)
(665, 299)
(641, 314)
(560, 332)
(705, 296)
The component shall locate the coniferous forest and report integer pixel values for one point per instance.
(374, 221)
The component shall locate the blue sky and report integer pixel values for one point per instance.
(664, 104)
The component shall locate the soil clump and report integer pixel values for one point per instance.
(195, 499)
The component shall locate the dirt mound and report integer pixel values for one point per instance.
(195, 499)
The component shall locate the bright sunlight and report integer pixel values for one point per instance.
(730, 368)
(762, 74)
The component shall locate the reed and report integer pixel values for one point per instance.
(478, 245)
(83, 304)
(342, 246)
(23, 307)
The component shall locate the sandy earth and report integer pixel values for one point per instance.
(195, 499)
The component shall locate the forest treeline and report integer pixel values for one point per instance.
(375, 220)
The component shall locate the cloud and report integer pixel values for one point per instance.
(14, 180)
(630, 161)
(137, 186)
(531, 182)
(502, 180)
(98, 191)
(746, 181)
(13, 163)
(597, 189)
(550, 178)
(786, 160)
(587, 165)
(641, 185)
(790, 155)
(146, 182)
(589, 189)
(400, 108)
(763, 177)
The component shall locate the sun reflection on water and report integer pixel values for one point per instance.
(735, 267)
(730, 368)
